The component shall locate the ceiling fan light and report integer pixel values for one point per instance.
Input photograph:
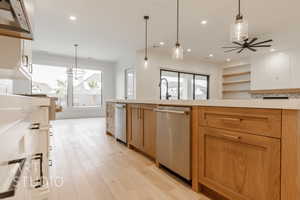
(178, 52)
(239, 30)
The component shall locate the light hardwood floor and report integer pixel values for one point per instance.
(96, 167)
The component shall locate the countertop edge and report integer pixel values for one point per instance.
(293, 104)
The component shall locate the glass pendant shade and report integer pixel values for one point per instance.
(239, 30)
(178, 52)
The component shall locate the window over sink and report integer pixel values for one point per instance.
(184, 85)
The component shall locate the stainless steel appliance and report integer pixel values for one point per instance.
(14, 20)
(120, 122)
(173, 141)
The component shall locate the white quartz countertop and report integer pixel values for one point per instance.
(292, 104)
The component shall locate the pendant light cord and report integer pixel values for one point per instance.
(76, 61)
(177, 22)
(239, 8)
(146, 38)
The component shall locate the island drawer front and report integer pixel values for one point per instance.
(265, 122)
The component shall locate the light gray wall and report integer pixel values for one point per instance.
(108, 80)
(148, 79)
(128, 62)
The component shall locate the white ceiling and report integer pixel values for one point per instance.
(110, 29)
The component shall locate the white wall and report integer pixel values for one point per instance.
(277, 70)
(148, 79)
(108, 80)
(128, 62)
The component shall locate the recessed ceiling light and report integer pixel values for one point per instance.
(161, 43)
(73, 18)
(228, 59)
(211, 55)
(272, 50)
(203, 22)
(189, 50)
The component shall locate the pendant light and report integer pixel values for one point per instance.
(76, 62)
(178, 50)
(146, 60)
(239, 30)
(77, 73)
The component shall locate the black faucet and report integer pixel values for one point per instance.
(167, 83)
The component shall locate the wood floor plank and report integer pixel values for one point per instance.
(96, 167)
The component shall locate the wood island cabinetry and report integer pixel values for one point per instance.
(142, 131)
(245, 153)
(110, 118)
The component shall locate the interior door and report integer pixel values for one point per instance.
(129, 84)
(149, 130)
(240, 166)
(136, 132)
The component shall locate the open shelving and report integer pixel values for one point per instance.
(236, 81)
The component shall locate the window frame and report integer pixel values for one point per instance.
(126, 71)
(72, 90)
(70, 86)
(194, 79)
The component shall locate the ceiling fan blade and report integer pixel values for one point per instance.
(231, 47)
(252, 49)
(237, 43)
(263, 42)
(260, 45)
(227, 51)
(240, 51)
(253, 40)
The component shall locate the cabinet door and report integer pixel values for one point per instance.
(149, 130)
(240, 166)
(136, 138)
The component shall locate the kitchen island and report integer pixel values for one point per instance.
(241, 149)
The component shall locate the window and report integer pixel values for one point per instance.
(54, 81)
(51, 81)
(184, 86)
(201, 87)
(87, 88)
(129, 84)
(170, 79)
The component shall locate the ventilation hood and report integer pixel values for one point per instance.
(14, 21)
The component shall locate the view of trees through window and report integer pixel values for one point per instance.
(87, 88)
(84, 90)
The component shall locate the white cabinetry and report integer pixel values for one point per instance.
(20, 140)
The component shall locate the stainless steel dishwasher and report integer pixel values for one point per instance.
(120, 123)
(173, 141)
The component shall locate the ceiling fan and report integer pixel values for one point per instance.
(246, 44)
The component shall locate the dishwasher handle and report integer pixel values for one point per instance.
(172, 111)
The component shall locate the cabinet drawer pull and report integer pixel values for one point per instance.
(39, 156)
(228, 119)
(231, 136)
